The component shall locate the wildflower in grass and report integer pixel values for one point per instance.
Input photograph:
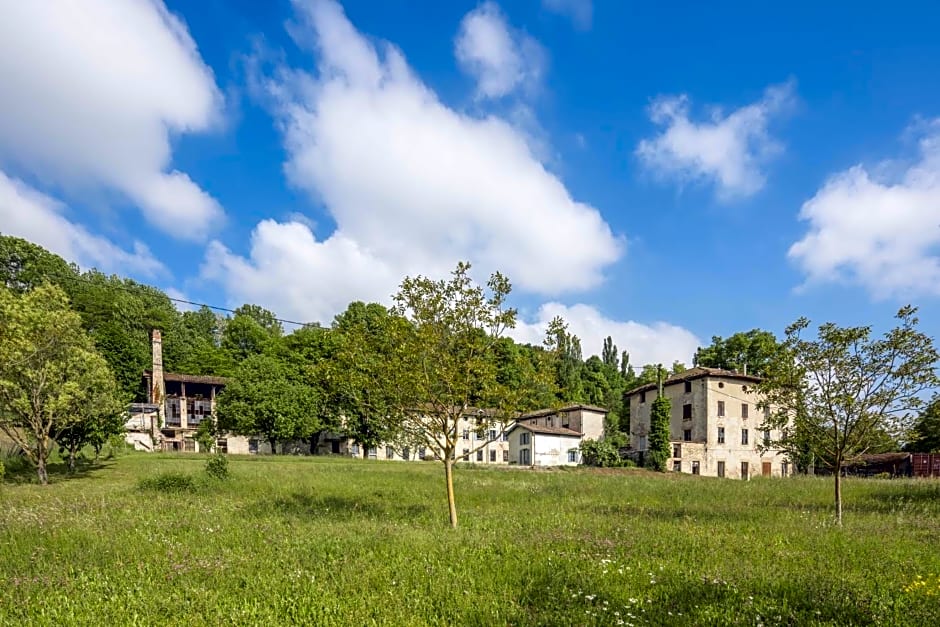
(926, 586)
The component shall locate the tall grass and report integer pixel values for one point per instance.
(349, 542)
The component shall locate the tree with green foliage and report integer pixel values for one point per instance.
(206, 434)
(24, 265)
(250, 331)
(924, 437)
(51, 376)
(445, 364)
(104, 420)
(753, 350)
(659, 445)
(363, 345)
(569, 362)
(600, 453)
(263, 399)
(842, 391)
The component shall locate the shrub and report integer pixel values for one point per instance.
(601, 453)
(217, 466)
(173, 482)
(14, 460)
(3, 471)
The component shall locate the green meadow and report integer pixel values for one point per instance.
(329, 541)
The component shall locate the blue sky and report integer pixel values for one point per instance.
(661, 173)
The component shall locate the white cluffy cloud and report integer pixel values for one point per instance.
(658, 343)
(27, 213)
(881, 231)
(93, 91)
(580, 11)
(412, 185)
(500, 58)
(728, 149)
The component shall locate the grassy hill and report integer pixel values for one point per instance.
(349, 542)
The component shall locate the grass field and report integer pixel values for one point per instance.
(326, 541)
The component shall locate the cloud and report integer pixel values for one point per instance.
(879, 229)
(581, 12)
(300, 278)
(27, 213)
(657, 343)
(500, 58)
(412, 185)
(729, 150)
(93, 92)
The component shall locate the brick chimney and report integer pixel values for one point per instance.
(158, 386)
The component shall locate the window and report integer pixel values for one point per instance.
(492, 434)
(695, 467)
(222, 446)
(721, 408)
(406, 453)
(767, 438)
(480, 455)
(372, 453)
(505, 456)
(721, 469)
(677, 466)
(744, 437)
(784, 469)
(466, 454)
(565, 421)
(573, 456)
(355, 450)
(744, 471)
(687, 411)
(252, 445)
(687, 435)
(492, 456)
(721, 435)
(421, 453)
(688, 387)
(505, 436)
(466, 434)
(744, 410)
(677, 450)
(389, 452)
(524, 437)
(642, 397)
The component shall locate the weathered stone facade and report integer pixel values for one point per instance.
(715, 425)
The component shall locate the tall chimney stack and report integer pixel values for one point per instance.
(158, 390)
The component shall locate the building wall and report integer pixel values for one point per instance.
(543, 449)
(703, 447)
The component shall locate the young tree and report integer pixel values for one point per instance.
(843, 391)
(263, 399)
(51, 377)
(445, 364)
(659, 451)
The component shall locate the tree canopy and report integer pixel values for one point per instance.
(837, 395)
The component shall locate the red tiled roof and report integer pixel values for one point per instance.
(697, 373)
(189, 378)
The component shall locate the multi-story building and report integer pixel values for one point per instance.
(715, 425)
(552, 437)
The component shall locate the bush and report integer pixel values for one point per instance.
(601, 453)
(3, 471)
(173, 482)
(14, 460)
(217, 466)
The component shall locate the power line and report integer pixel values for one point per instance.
(82, 279)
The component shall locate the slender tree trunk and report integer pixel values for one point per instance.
(72, 453)
(838, 494)
(451, 502)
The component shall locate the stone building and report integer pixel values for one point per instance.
(175, 405)
(715, 425)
